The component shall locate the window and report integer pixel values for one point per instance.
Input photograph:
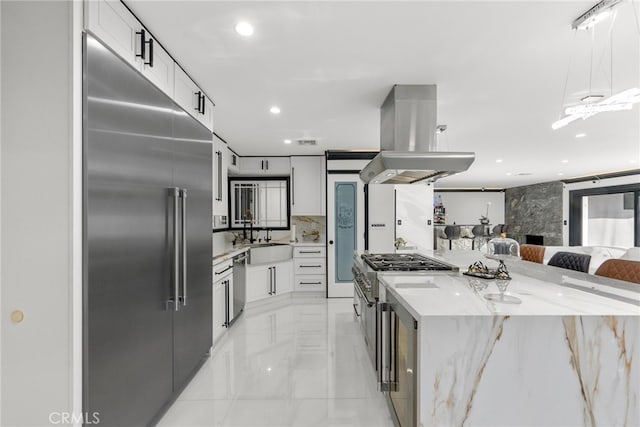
(605, 216)
(262, 203)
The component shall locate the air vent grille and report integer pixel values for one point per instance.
(307, 142)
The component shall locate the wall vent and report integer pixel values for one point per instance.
(307, 142)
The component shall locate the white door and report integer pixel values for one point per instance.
(345, 231)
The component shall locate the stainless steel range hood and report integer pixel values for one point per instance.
(408, 140)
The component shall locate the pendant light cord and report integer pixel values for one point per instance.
(566, 79)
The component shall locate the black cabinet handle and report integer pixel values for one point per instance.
(310, 283)
(143, 44)
(199, 95)
(267, 161)
(203, 103)
(150, 62)
(309, 252)
(310, 266)
(262, 165)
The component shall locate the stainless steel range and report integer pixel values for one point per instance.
(383, 322)
(366, 290)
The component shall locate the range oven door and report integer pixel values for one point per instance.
(397, 360)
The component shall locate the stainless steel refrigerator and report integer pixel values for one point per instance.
(147, 243)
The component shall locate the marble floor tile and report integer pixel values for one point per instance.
(295, 362)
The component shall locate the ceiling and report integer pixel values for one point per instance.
(500, 67)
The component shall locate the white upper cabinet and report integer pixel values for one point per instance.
(220, 177)
(308, 185)
(234, 162)
(257, 166)
(158, 65)
(112, 23)
(189, 96)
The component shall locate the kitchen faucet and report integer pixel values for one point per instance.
(248, 216)
(268, 238)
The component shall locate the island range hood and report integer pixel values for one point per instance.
(408, 140)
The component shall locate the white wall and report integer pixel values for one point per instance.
(39, 217)
(467, 207)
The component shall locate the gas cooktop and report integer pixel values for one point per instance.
(404, 262)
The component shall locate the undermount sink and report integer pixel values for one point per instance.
(265, 253)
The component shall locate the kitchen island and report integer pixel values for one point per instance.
(566, 355)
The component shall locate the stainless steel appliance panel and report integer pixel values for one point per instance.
(398, 368)
(128, 213)
(193, 152)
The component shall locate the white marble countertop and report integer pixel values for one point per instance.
(544, 290)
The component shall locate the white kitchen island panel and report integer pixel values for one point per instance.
(529, 370)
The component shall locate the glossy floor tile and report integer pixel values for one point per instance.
(298, 361)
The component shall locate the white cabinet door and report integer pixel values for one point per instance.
(111, 22)
(186, 93)
(233, 163)
(218, 308)
(159, 68)
(283, 278)
(277, 166)
(307, 185)
(258, 282)
(207, 114)
(220, 177)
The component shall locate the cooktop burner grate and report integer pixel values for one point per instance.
(404, 262)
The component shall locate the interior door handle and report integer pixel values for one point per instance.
(331, 242)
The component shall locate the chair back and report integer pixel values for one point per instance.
(496, 230)
(620, 269)
(478, 230)
(452, 232)
(532, 253)
(571, 261)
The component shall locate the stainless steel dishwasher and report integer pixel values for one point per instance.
(239, 283)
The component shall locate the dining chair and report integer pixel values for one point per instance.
(532, 253)
(571, 261)
(620, 269)
(452, 232)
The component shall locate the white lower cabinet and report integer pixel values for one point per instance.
(268, 280)
(309, 268)
(218, 310)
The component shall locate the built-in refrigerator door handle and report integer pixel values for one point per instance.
(175, 194)
(183, 197)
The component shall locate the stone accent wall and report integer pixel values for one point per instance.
(535, 209)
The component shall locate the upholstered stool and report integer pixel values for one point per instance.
(620, 269)
(479, 233)
(571, 261)
(532, 253)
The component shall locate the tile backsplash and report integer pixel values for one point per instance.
(309, 224)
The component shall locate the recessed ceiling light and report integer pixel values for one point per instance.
(275, 110)
(287, 141)
(244, 29)
(632, 161)
(498, 160)
(509, 173)
(581, 135)
(564, 161)
(560, 174)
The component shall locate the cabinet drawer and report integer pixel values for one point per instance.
(309, 251)
(309, 266)
(309, 283)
